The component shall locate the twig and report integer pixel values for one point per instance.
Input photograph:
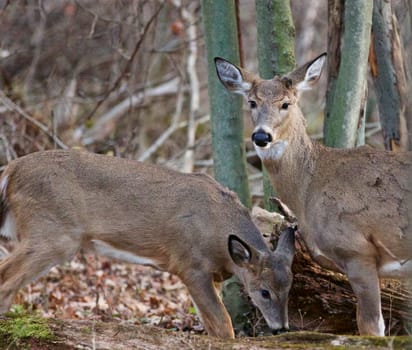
(8, 150)
(93, 26)
(284, 210)
(169, 131)
(14, 107)
(205, 163)
(194, 90)
(373, 128)
(169, 87)
(129, 62)
(183, 124)
(162, 138)
(38, 37)
(64, 108)
(97, 16)
(373, 131)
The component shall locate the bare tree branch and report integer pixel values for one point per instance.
(129, 62)
(169, 131)
(14, 107)
(188, 15)
(103, 126)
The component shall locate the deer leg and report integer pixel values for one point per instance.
(26, 263)
(363, 277)
(212, 312)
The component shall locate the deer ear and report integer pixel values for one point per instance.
(232, 77)
(241, 253)
(286, 245)
(306, 76)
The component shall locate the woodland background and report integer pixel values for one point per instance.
(129, 79)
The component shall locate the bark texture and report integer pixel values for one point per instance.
(229, 156)
(349, 38)
(275, 40)
(387, 68)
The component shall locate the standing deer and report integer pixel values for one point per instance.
(351, 204)
(55, 202)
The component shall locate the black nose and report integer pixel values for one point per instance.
(261, 138)
(280, 331)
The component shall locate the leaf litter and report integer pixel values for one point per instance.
(92, 287)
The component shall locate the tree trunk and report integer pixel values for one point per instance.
(403, 11)
(275, 39)
(229, 156)
(387, 68)
(349, 39)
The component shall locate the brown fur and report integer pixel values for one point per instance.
(61, 201)
(352, 204)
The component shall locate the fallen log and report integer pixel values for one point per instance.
(322, 300)
(98, 335)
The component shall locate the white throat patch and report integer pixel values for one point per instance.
(273, 151)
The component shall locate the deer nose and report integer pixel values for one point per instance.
(261, 138)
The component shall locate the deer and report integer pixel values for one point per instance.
(55, 203)
(351, 204)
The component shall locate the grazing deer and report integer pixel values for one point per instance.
(351, 204)
(55, 202)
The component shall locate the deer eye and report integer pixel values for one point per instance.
(252, 104)
(265, 294)
(285, 105)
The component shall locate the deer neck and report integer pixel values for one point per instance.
(291, 174)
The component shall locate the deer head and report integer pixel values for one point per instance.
(271, 101)
(267, 277)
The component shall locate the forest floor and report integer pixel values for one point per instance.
(76, 334)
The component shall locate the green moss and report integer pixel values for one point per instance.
(309, 340)
(21, 324)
